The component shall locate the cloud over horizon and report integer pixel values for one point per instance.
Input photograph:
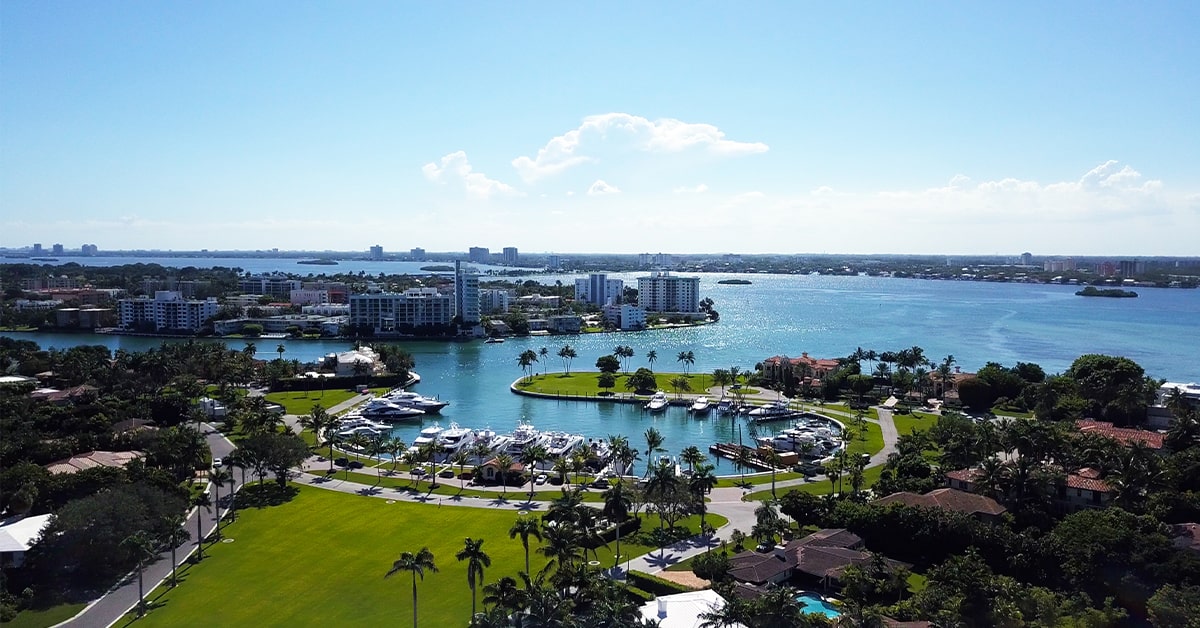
(456, 167)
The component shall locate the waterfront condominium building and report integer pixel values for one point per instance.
(664, 292)
(377, 252)
(167, 311)
(277, 287)
(598, 289)
(479, 254)
(416, 253)
(625, 316)
(466, 294)
(510, 255)
(493, 300)
(389, 312)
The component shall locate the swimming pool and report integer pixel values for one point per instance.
(812, 603)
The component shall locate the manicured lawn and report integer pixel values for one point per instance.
(319, 560)
(587, 384)
(301, 402)
(870, 477)
(915, 422)
(44, 617)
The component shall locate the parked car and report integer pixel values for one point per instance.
(354, 464)
(540, 479)
(217, 462)
(341, 462)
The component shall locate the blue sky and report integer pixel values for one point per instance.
(931, 127)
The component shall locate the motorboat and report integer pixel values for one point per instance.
(364, 430)
(493, 340)
(428, 405)
(700, 406)
(726, 406)
(522, 438)
(362, 421)
(658, 402)
(562, 443)
(774, 410)
(385, 410)
(455, 439)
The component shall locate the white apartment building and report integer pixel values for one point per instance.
(625, 316)
(388, 312)
(664, 292)
(493, 300)
(309, 297)
(598, 289)
(168, 310)
(327, 309)
(273, 286)
(466, 294)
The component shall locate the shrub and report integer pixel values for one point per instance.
(654, 584)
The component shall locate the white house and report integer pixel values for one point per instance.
(17, 535)
(684, 610)
(625, 316)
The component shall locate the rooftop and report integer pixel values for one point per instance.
(1124, 435)
(948, 499)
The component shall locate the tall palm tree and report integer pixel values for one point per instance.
(220, 477)
(772, 458)
(543, 353)
(525, 527)
(741, 460)
(280, 349)
(201, 502)
(616, 508)
(702, 482)
(720, 377)
(416, 564)
(692, 456)
(680, 383)
(175, 537)
(530, 457)
(560, 544)
(504, 461)
(525, 361)
(654, 442)
(479, 450)
(321, 423)
(651, 358)
(477, 559)
(141, 545)
(689, 360)
(567, 353)
(461, 459)
(682, 359)
(505, 595)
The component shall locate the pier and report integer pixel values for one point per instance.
(730, 451)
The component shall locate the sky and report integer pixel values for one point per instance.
(1067, 128)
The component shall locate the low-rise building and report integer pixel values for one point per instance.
(83, 318)
(1124, 435)
(803, 369)
(565, 324)
(18, 535)
(625, 316)
(308, 297)
(93, 459)
(386, 313)
(820, 557)
(167, 311)
(978, 506)
(684, 610)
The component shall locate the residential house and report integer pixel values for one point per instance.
(93, 459)
(819, 558)
(1078, 490)
(951, 499)
(1124, 435)
(18, 535)
(490, 471)
(684, 610)
(804, 369)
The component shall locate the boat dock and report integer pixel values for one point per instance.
(729, 451)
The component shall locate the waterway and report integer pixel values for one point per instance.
(824, 316)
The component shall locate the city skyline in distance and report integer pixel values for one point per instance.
(766, 129)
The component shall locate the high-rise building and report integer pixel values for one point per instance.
(1130, 268)
(494, 300)
(88, 249)
(553, 262)
(377, 252)
(417, 253)
(466, 294)
(479, 254)
(664, 292)
(37, 249)
(1027, 259)
(656, 260)
(57, 249)
(510, 255)
(386, 312)
(598, 289)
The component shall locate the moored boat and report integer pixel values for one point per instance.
(658, 402)
(700, 406)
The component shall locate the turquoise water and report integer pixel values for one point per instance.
(788, 314)
(811, 603)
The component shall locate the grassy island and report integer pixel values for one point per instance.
(735, 282)
(1114, 293)
(438, 268)
(587, 384)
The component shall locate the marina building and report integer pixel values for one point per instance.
(664, 292)
(167, 311)
(598, 289)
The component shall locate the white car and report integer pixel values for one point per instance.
(540, 479)
(216, 462)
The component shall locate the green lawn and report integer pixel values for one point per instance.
(320, 560)
(40, 618)
(870, 476)
(301, 402)
(587, 384)
(915, 422)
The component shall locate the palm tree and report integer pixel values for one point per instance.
(652, 357)
(461, 459)
(703, 481)
(220, 477)
(479, 450)
(680, 383)
(742, 460)
(504, 461)
(720, 377)
(141, 544)
(201, 502)
(320, 422)
(505, 595)
(525, 527)
(616, 509)
(772, 458)
(543, 353)
(280, 349)
(945, 372)
(416, 564)
(654, 442)
(692, 456)
(689, 361)
(682, 358)
(175, 537)
(525, 361)
(561, 543)
(359, 442)
(567, 353)
(530, 457)
(477, 559)
(562, 466)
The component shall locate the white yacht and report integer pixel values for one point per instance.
(700, 406)
(362, 421)
(658, 402)
(369, 432)
(562, 443)
(384, 409)
(725, 406)
(455, 439)
(428, 405)
(774, 410)
(428, 436)
(524, 436)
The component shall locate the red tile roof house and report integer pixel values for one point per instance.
(1078, 491)
(978, 506)
(803, 368)
(820, 557)
(490, 471)
(1124, 435)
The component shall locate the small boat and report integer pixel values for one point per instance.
(658, 402)
(700, 406)
(725, 406)
(493, 341)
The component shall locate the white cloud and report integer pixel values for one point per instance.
(456, 167)
(632, 133)
(699, 189)
(602, 188)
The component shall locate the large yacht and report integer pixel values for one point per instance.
(562, 443)
(658, 402)
(523, 437)
(385, 410)
(455, 439)
(428, 436)
(700, 406)
(774, 410)
(428, 405)
(351, 421)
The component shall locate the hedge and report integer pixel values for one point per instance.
(654, 584)
(336, 383)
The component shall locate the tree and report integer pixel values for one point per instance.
(692, 456)
(141, 544)
(608, 364)
(625, 352)
(543, 353)
(416, 564)
(1115, 388)
(202, 502)
(504, 461)
(680, 384)
(606, 381)
(280, 349)
(651, 358)
(702, 482)
(174, 537)
(525, 527)
(219, 476)
(477, 559)
(567, 353)
(525, 361)
(975, 393)
(616, 509)
(530, 457)
(642, 381)
(720, 377)
(687, 358)
(1175, 606)
(860, 384)
(505, 595)
(654, 442)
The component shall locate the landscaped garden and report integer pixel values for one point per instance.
(320, 559)
(301, 401)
